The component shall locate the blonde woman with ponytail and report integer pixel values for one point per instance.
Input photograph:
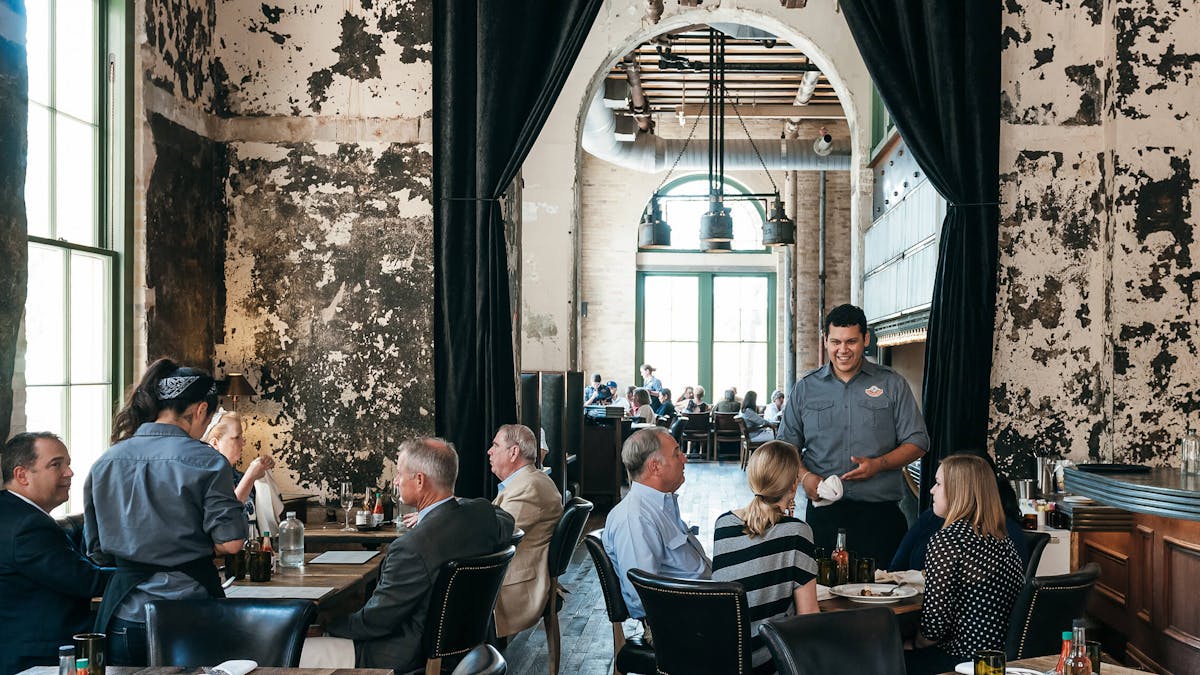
(767, 549)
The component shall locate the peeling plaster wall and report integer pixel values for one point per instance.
(185, 230)
(1096, 330)
(330, 272)
(551, 247)
(14, 91)
(314, 119)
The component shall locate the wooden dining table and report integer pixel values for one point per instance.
(334, 587)
(907, 610)
(328, 534)
(1044, 663)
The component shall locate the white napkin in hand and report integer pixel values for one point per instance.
(823, 593)
(234, 668)
(829, 490)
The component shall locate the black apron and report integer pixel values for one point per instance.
(130, 575)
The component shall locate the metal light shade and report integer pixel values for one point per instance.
(779, 230)
(653, 231)
(718, 247)
(236, 385)
(716, 225)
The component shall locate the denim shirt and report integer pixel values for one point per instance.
(645, 531)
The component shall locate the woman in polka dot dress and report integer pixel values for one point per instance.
(972, 570)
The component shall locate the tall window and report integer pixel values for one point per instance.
(683, 215)
(69, 311)
(708, 328)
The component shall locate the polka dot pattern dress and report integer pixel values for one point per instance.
(971, 583)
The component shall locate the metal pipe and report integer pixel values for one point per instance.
(821, 269)
(638, 103)
(792, 194)
(804, 94)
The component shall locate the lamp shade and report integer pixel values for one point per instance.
(718, 246)
(779, 230)
(236, 385)
(653, 231)
(716, 225)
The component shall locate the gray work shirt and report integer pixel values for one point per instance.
(161, 498)
(869, 416)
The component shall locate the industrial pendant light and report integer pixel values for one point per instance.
(653, 232)
(716, 225)
(779, 230)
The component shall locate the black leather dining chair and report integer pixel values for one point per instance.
(632, 655)
(482, 660)
(204, 632)
(1036, 543)
(562, 546)
(813, 644)
(460, 608)
(1044, 609)
(698, 627)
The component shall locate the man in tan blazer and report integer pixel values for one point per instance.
(536, 505)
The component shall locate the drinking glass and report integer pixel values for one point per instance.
(1093, 652)
(989, 662)
(346, 495)
(826, 572)
(865, 571)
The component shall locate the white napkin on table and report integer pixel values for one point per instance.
(829, 490)
(234, 668)
(823, 593)
(914, 578)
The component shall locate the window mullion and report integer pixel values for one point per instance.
(705, 332)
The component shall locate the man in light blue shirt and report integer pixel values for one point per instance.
(645, 531)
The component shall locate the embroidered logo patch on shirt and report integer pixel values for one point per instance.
(874, 392)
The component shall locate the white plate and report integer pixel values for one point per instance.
(854, 592)
(968, 668)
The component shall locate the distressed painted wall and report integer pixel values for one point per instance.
(1096, 332)
(185, 231)
(329, 276)
(14, 91)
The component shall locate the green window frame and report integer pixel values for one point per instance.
(705, 330)
(75, 364)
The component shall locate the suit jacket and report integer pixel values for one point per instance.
(387, 630)
(536, 505)
(46, 586)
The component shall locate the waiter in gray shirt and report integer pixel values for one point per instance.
(857, 420)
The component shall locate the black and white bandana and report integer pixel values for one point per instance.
(171, 388)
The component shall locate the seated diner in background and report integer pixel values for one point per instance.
(911, 554)
(696, 403)
(756, 426)
(531, 498)
(626, 400)
(597, 393)
(774, 409)
(767, 549)
(386, 632)
(224, 434)
(663, 407)
(972, 571)
(644, 530)
(687, 395)
(46, 583)
(729, 404)
(640, 404)
(160, 502)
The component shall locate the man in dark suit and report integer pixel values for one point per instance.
(46, 584)
(387, 630)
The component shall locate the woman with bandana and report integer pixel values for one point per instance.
(161, 503)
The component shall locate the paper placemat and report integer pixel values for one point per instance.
(299, 592)
(343, 557)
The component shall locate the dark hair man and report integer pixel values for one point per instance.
(46, 584)
(856, 422)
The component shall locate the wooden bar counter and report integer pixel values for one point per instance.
(1145, 535)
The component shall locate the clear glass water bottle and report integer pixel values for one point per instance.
(291, 541)
(1189, 453)
(66, 660)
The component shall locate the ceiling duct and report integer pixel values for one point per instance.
(652, 154)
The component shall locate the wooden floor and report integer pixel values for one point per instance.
(709, 491)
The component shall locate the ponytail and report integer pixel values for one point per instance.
(773, 471)
(150, 397)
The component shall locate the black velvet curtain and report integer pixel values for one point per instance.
(498, 68)
(937, 68)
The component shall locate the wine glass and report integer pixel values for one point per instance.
(346, 495)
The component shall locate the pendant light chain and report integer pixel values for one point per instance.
(682, 150)
(754, 146)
